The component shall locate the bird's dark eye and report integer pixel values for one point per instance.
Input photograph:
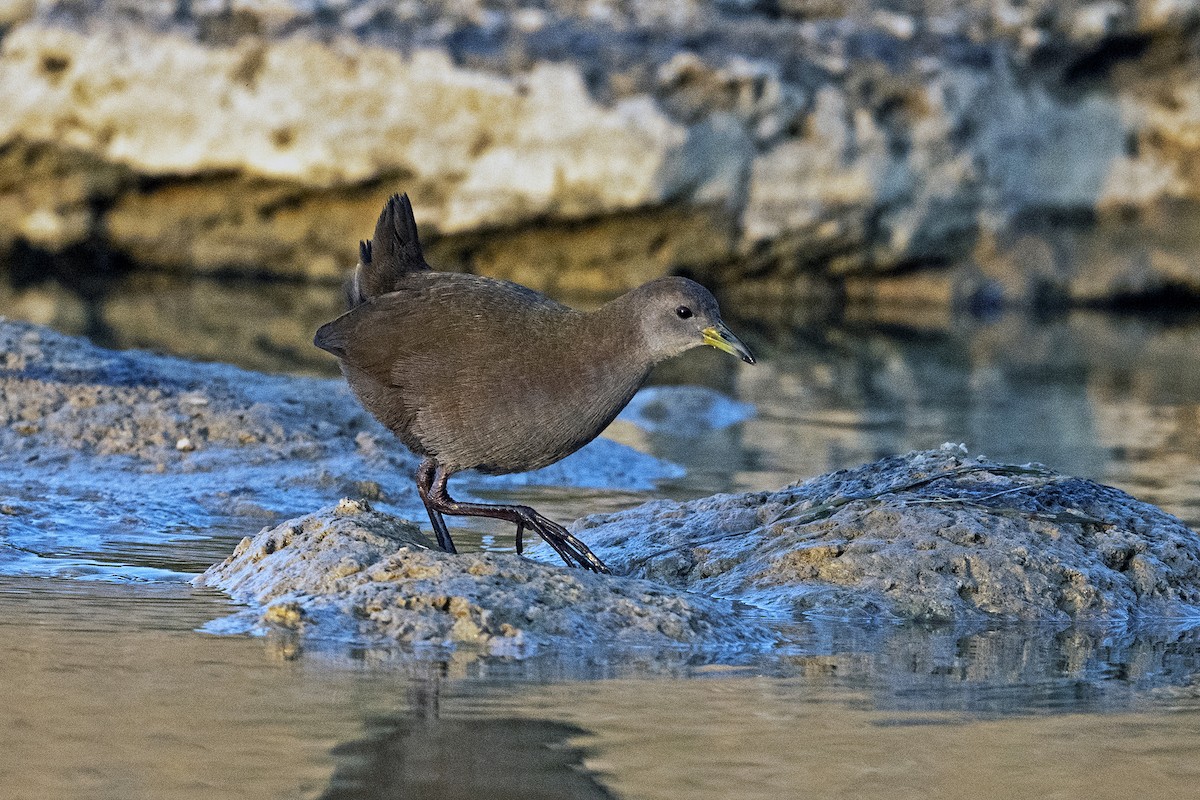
(683, 312)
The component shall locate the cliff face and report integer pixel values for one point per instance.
(598, 144)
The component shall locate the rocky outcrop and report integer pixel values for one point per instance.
(932, 537)
(107, 457)
(354, 574)
(272, 153)
(757, 143)
(929, 536)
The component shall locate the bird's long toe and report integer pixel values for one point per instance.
(569, 548)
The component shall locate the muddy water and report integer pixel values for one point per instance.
(111, 690)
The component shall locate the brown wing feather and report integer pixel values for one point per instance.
(477, 372)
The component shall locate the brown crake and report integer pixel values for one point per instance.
(475, 373)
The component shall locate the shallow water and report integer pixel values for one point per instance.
(114, 692)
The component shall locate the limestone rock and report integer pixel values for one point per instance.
(928, 536)
(352, 573)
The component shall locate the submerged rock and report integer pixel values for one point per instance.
(356, 574)
(927, 536)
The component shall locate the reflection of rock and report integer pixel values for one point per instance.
(263, 326)
(761, 738)
(352, 573)
(461, 759)
(260, 137)
(1098, 392)
(928, 536)
(1005, 669)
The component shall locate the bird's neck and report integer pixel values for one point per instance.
(616, 330)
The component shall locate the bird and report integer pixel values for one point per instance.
(475, 373)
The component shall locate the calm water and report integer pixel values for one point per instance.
(112, 693)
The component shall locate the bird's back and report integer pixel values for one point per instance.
(479, 373)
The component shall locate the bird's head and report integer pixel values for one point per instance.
(678, 314)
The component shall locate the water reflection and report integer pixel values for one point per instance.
(112, 693)
(1112, 398)
(753, 737)
(1005, 671)
(1011, 670)
(463, 759)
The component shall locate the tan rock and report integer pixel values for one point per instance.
(406, 591)
(500, 150)
(261, 135)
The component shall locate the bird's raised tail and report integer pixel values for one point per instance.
(392, 253)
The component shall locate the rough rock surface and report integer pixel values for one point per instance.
(106, 457)
(356, 574)
(927, 536)
(930, 536)
(745, 139)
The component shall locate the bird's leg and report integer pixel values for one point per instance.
(572, 551)
(425, 474)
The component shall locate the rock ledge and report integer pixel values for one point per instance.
(355, 574)
(930, 536)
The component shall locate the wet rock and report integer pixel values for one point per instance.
(103, 402)
(352, 573)
(927, 536)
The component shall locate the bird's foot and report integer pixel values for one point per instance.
(572, 551)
